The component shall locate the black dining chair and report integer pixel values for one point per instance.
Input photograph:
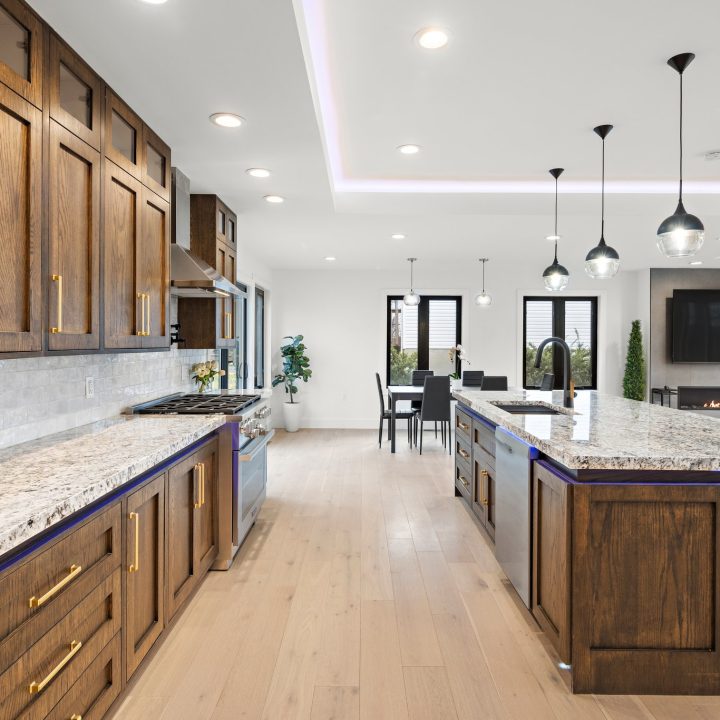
(418, 380)
(548, 381)
(494, 382)
(435, 408)
(408, 415)
(472, 378)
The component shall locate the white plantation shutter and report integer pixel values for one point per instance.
(443, 324)
(409, 316)
(578, 316)
(538, 321)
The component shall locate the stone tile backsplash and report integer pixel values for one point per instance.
(44, 395)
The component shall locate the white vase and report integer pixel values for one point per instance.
(455, 383)
(291, 413)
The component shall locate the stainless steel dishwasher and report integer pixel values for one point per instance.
(513, 509)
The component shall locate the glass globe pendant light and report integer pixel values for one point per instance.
(483, 299)
(556, 276)
(602, 262)
(412, 298)
(682, 234)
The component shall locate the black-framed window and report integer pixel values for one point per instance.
(420, 337)
(259, 338)
(571, 318)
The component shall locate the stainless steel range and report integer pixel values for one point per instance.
(242, 462)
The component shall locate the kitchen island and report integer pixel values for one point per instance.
(624, 536)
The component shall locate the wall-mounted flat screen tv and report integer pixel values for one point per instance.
(696, 326)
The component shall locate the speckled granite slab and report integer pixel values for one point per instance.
(607, 432)
(44, 481)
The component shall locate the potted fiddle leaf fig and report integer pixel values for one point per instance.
(295, 367)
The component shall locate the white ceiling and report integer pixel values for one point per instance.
(517, 91)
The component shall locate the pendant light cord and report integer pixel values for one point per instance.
(681, 137)
(556, 200)
(483, 262)
(412, 288)
(602, 201)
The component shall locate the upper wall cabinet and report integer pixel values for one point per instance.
(21, 51)
(20, 223)
(155, 164)
(123, 136)
(74, 242)
(76, 93)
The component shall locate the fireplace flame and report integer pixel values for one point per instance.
(712, 405)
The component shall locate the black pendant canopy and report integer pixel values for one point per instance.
(556, 276)
(603, 261)
(681, 234)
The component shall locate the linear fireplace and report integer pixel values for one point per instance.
(698, 398)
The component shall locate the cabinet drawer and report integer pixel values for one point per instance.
(462, 449)
(35, 595)
(462, 479)
(463, 424)
(484, 436)
(32, 686)
(91, 696)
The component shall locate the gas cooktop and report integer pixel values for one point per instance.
(196, 404)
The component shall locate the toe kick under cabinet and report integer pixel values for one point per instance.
(80, 609)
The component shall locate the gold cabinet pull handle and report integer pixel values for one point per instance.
(75, 716)
(463, 453)
(147, 315)
(202, 484)
(37, 687)
(59, 327)
(464, 481)
(196, 482)
(135, 566)
(73, 572)
(141, 298)
(485, 473)
(463, 426)
(485, 501)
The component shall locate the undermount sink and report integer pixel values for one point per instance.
(529, 409)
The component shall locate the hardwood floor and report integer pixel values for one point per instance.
(366, 590)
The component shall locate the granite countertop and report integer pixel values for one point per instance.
(46, 480)
(604, 432)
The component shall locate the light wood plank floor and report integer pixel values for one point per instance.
(366, 590)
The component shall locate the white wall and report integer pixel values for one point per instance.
(341, 313)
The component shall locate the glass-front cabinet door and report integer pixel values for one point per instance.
(123, 135)
(75, 93)
(21, 51)
(155, 164)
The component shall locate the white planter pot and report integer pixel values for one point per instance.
(455, 384)
(291, 413)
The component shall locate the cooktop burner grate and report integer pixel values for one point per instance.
(196, 404)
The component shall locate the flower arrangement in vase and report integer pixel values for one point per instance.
(457, 357)
(204, 373)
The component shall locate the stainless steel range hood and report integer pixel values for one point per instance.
(193, 277)
(190, 276)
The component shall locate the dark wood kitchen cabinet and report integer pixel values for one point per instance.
(155, 160)
(20, 224)
(192, 523)
(552, 513)
(137, 263)
(73, 243)
(76, 93)
(213, 228)
(123, 135)
(21, 51)
(145, 570)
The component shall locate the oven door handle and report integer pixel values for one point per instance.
(250, 452)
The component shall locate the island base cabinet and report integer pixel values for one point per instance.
(645, 589)
(552, 513)
(144, 570)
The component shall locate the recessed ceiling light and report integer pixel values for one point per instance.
(274, 199)
(398, 236)
(227, 120)
(696, 262)
(258, 172)
(432, 38)
(154, 2)
(330, 258)
(409, 149)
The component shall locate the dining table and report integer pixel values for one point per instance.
(396, 393)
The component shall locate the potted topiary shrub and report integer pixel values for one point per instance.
(295, 366)
(634, 380)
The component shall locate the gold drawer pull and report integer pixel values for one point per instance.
(485, 501)
(485, 474)
(464, 481)
(463, 426)
(37, 687)
(59, 328)
(135, 566)
(73, 572)
(75, 716)
(463, 453)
